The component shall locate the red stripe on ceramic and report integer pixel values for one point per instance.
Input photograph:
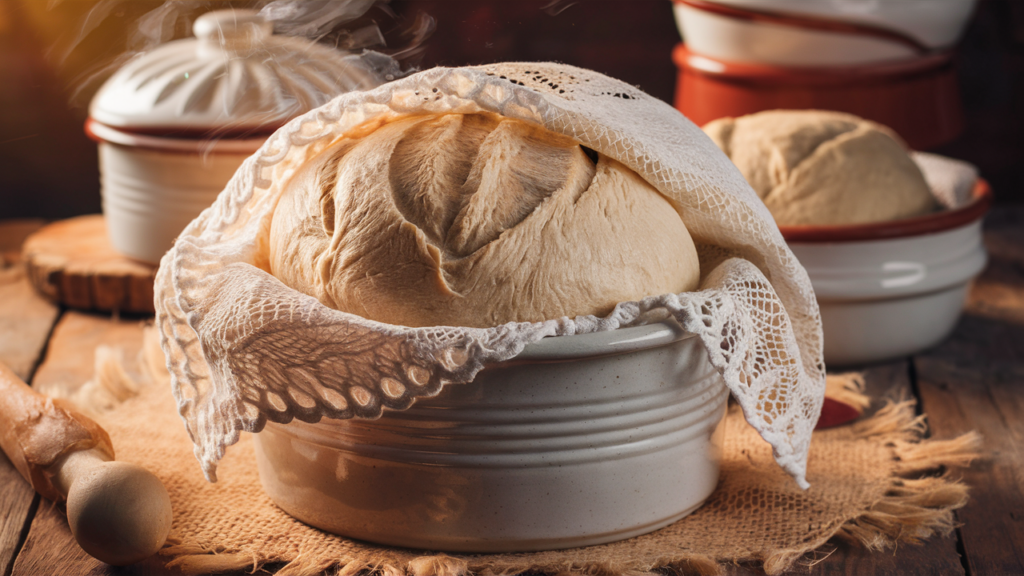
(809, 23)
(102, 133)
(808, 75)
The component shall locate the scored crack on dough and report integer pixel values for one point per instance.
(475, 220)
(813, 167)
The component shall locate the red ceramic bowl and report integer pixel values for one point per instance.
(917, 98)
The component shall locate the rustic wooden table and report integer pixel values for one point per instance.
(973, 381)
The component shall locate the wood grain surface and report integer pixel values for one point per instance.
(25, 323)
(975, 381)
(72, 262)
(71, 355)
(49, 547)
(16, 502)
(25, 317)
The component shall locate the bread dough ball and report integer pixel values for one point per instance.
(817, 167)
(475, 220)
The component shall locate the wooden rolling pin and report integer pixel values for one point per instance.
(119, 513)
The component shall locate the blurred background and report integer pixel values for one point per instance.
(55, 54)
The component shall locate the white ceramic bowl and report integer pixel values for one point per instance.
(152, 187)
(579, 440)
(796, 32)
(891, 289)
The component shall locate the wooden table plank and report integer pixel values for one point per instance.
(935, 556)
(49, 546)
(71, 355)
(16, 501)
(25, 323)
(25, 317)
(975, 381)
(930, 559)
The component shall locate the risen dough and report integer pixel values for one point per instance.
(475, 220)
(817, 167)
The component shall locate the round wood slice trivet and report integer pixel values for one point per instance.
(73, 263)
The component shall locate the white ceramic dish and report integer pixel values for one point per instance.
(153, 187)
(579, 440)
(891, 289)
(728, 35)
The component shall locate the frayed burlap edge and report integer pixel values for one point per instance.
(204, 562)
(918, 505)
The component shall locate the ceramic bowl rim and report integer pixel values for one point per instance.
(941, 221)
(778, 75)
(599, 344)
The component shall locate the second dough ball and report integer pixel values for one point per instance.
(814, 167)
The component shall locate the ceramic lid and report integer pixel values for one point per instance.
(234, 78)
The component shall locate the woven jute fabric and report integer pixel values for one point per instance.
(873, 482)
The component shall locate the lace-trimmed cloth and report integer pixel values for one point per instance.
(242, 348)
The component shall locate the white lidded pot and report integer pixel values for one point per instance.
(175, 123)
(578, 440)
(890, 289)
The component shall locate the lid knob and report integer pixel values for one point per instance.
(233, 31)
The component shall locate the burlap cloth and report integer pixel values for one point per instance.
(869, 483)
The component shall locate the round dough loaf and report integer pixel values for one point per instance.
(818, 167)
(475, 220)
